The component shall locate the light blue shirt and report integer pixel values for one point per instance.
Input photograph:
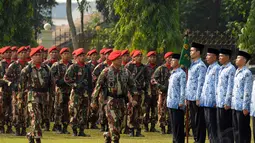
(208, 97)
(176, 89)
(252, 106)
(196, 78)
(242, 89)
(225, 85)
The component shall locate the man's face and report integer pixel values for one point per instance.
(138, 58)
(211, 58)
(117, 62)
(14, 54)
(7, 54)
(102, 56)
(194, 53)
(66, 56)
(152, 59)
(81, 58)
(37, 58)
(54, 54)
(93, 57)
(223, 59)
(174, 63)
(168, 60)
(106, 55)
(22, 55)
(240, 61)
(125, 58)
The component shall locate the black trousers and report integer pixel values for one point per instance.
(211, 123)
(242, 130)
(253, 127)
(197, 122)
(224, 125)
(177, 119)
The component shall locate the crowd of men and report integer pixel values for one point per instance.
(122, 95)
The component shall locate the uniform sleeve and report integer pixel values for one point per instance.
(230, 87)
(70, 76)
(182, 87)
(216, 82)
(156, 76)
(131, 84)
(96, 73)
(99, 85)
(247, 91)
(2, 70)
(23, 80)
(146, 80)
(90, 87)
(201, 80)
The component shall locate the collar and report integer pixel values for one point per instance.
(168, 66)
(242, 69)
(22, 61)
(108, 62)
(53, 61)
(94, 62)
(197, 61)
(227, 65)
(175, 70)
(213, 64)
(80, 64)
(151, 65)
(8, 61)
(124, 63)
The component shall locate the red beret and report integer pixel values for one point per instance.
(136, 53)
(102, 50)
(114, 55)
(131, 54)
(92, 51)
(35, 50)
(107, 51)
(151, 53)
(4, 49)
(168, 54)
(14, 48)
(64, 50)
(79, 52)
(23, 48)
(123, 52)
(28, 47)
(52, 49)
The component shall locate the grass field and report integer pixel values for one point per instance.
(96, 137)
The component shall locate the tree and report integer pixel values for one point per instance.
(246, 39)
(148, 25)
(107, 10)
(71, 24)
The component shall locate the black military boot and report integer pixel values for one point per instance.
(23, 131)
(30, 138)
(93, 126)
(38, 140)
(152, 129)
(59, 129)
(146, 128)
(17, 132)
(169, 129)
(131, 132)
(163, 130)
(64, 130)
(116, 141)
(107, 138)
(126, 130)
(82, 134)
(106, 128)
(138, 133)
(47, 126)
(2, 130)
(102, 128)
(74, 132)
(9, 130)
(54, 127)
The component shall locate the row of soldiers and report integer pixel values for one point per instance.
(32, 85)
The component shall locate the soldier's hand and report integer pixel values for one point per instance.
(93, 106)
(186, 102)
(153, 81)
(245, 112)
(226, 107)
(197, 102)
(134, 103)
(180, 105)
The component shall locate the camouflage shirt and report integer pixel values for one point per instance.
(151, 69)
(58, 71)
(49, 62)
(3, 67)
(115, 83)
(79, 78)
(161, 75)
(98, 69)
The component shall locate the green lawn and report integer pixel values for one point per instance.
(96, 137)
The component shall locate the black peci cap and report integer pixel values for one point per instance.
(176, 56)
(226, 52)
(245, 55)
(198, 46)
(213, 51)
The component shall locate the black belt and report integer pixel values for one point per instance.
(43, 90)
(117, 96)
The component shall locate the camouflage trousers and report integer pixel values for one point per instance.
(114, 110)
(5, 110)
(102, 115)
(61, 114)
(78, 110)
(163, 115)
(150, 115)
(19, 110)
(38, 111)
(135, 115)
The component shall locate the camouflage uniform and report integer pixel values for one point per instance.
(40, 86)
(161, 75)
(115, 84)
(6, 100)
(19, 106)
(79, 78)
(102, 117)
(150, 115)
(135, 114)
(62, 95)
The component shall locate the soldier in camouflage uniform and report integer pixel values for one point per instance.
(95, 74)
(19, 109)
(53, 53)
(102, 56)
(161, 76)
(36, 78)
(14, 53)
(78, 76)
(114, 81)
(140, 75)
(63, 91)
(92, 63)
(5, 93)
(150, 115)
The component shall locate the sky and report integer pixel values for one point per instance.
(72, 0)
